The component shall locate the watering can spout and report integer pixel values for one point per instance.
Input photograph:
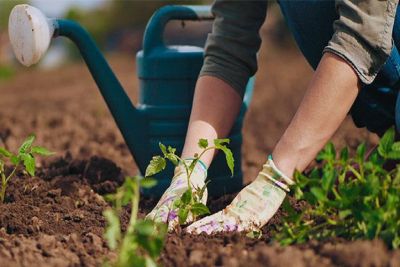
(30, 35)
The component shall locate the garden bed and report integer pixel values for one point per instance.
(55, 219)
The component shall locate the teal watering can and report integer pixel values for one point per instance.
(167, 77)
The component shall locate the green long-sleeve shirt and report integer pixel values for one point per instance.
(362, 37)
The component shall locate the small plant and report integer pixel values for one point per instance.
(190, 201)
(143, 240)
(25, 158)
(352, 198)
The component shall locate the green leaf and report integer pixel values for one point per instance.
(219, 144)
(199, 209)
(328, 179)
(126, 258)
(396, 180)
(182, 215)
(148, 182)
(173, 158)
(29, 163)
(193, 164)
(200, 193)
(14, 160)
(331, 150)
(287, 207)
(150, 237)
(171, 150)
(375, 158)
(127, 190)
(309, 197)
(343, 214)
(145, 227)
(177, 203)
(187, 196)
(318, 193)
(170, 155)
(328, 153)
(156, 165)
(286, 242)
(26, 144)
(203, 143)
(41, 151)
(396, 146)
(394, 154)
(344, 155)
(360, 153)
(396, 242)
(113, 230)
(110, 198)
(150, 262)
(4, 152)
(163, 148)
(229, 158)
(386, 142)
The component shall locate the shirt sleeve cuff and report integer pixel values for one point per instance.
(365, 60)
(235, 76)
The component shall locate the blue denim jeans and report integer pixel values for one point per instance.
(377, 106)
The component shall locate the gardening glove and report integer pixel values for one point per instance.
(252, 208)
(165, 211)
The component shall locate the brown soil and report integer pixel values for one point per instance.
(54, 218)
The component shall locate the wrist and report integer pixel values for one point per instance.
(285, 161)
(292, 154)
(288, 179)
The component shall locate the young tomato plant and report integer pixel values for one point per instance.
(143, 240)
(352, 198)
(25, 158)
(190, 201)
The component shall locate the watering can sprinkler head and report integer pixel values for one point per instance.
(30, 33)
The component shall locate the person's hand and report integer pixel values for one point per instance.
(165, 211)
(252, 208)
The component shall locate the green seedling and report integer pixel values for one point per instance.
(143, 240)
(190, 201)
(351, 198)
(25, 158)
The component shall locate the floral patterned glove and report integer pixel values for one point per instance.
(164, 210)
(252, 208)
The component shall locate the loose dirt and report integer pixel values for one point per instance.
(54, 219)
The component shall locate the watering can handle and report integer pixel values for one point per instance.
(153, 37)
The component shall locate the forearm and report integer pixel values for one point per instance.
(230, 59)
(327, 101)
(215, 107)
